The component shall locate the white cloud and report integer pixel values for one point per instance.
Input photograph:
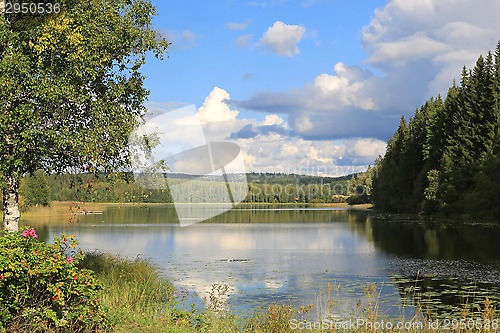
(334, 105)
(328, 83)
(274, 119)
(462, 34)
(303, 123)
(270, 151)
(278, 153)
(344, 88)
(416, 46)
(215, 108)
(314, 154)
(288, 149)
(448, 34)
(364, 150)
(282, 38)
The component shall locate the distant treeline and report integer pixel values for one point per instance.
(446, 158)
(40, 189)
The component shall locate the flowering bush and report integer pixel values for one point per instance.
(29, 233)
(43, 289)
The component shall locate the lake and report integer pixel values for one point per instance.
(297, 255)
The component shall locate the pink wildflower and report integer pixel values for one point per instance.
(70, 259)
(29, 233)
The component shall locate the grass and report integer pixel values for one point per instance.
(136, 296)
(58, 211)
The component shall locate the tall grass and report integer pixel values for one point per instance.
(136, 296)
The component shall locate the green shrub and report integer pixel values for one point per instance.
(42, 289)
(359, 199)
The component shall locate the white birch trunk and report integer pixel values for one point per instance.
(11, 213)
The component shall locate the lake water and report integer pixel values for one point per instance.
(299, 256)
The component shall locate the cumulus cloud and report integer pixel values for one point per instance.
(281, 153)
(345, 86)
(282, 38)
(339, 121)
(417, 49)
(272, 145)
(332, 106)
(446, 35)
(215, 108)
(272, 124)
(246, 132)
(274, 119)
(361, 151)
(416, 46)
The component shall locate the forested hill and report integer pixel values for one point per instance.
(446, 158)
(274, 178)
(40, 189)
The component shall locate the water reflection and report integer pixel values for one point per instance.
(436, 239)
(444, 266)
(292, 255)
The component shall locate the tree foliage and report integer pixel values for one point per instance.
(36, 190)
(71, 90)
(360, 186)
(446, 158)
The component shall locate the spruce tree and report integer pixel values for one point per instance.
(391, 181)
(447, 158)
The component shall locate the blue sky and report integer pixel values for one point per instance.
(313, 86)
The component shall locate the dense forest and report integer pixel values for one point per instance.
(446, 158)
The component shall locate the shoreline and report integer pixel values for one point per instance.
(69, 210)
